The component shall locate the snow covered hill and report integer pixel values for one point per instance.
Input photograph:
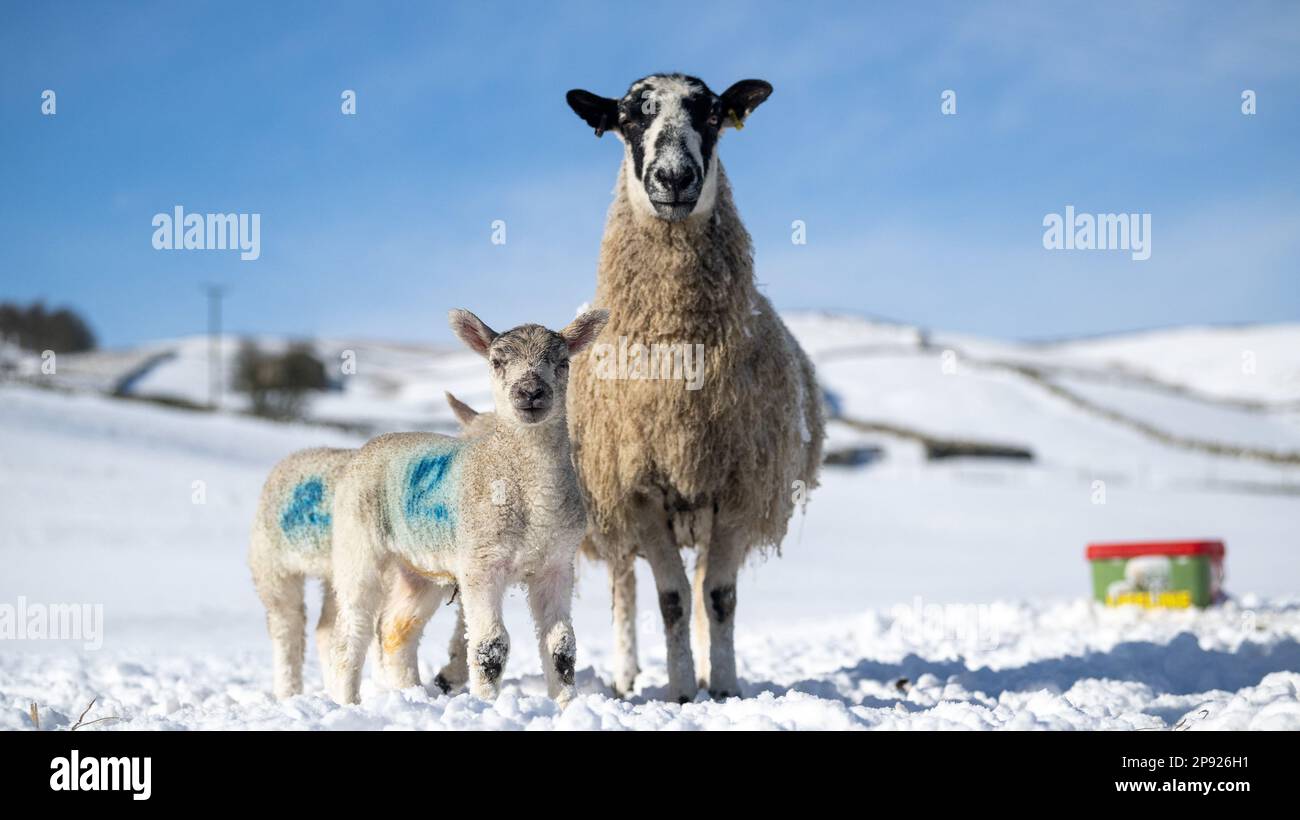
(915, 593)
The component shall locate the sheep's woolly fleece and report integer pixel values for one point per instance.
(1005, 666)
(744, 440)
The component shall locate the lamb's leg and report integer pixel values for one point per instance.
(622, 578)
(550, 596)
(409, 603)
(456, 673)
(716, 569)
(286, 620)
(660, 549)
(482, 594)
(325, 631)
(359, 566)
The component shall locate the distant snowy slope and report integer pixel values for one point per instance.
(1257, 362)
(1131, 406)
(387, 385)
(1189, 417)
(1191, 381)
(1250, 363)
(823, 334)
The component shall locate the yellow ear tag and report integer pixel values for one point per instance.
(736, 121)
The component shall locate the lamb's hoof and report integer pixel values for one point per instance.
(624, 687)
(564, 697)
(443, 684)
(485, 693)
(723, 694)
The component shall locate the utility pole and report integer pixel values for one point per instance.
(215, 294)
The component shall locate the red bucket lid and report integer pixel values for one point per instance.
(1133, 549)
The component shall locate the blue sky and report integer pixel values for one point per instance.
(375, 225)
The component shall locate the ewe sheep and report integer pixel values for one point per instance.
(663, 466)
(475, 514)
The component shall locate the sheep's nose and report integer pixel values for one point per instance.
(675, 181)
(529, 394)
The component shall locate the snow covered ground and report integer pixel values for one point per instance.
(913, 594)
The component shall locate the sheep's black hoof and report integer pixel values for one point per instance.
(443, 684)
(723, 694)
(683, 699)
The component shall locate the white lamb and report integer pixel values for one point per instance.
(291, 542)
(476, 514)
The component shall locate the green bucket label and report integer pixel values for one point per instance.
(1173, 582)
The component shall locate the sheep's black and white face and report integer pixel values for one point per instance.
(669, 125)
(529, 364)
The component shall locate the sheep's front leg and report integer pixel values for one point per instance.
(456, 673)
(674, 588)
(716, 569)
(550, 596)
(482, 594)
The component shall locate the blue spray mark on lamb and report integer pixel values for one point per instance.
(430, 496)
(305, 515)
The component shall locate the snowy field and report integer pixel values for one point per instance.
(914, 593)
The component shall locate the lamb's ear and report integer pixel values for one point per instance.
(599, 112)
(471, 330)
(583, 330)
(739, 101)
(464, 413)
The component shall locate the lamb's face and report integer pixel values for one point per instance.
(529, 364)
(530, 371)
(669, 125)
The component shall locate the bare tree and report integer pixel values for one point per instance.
(278, 383)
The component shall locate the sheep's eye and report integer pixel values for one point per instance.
(714, 120)
(498, 364)
(562, 367)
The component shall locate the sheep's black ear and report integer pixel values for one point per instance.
(583, 330)
(741, 99)
(599, 112)
(464, 413)
(471, 330)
